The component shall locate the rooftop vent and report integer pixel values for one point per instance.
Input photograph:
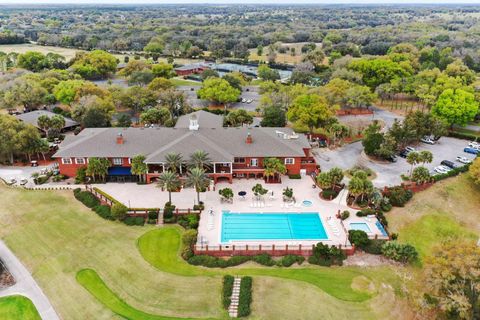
(193, 126)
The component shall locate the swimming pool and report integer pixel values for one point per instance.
(360, 226)
(271, 226)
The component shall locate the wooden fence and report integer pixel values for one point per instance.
(251, 250)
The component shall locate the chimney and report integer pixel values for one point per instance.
(249, 139)
(119, 138)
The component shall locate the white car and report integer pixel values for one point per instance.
(463, 160)
(249, 101)
(427, 140)
(410, 149)
(440, 169)
(244, 100)
(474, 144)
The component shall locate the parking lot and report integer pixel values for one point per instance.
(388, 174)
(248, 93)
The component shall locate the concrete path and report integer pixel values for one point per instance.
(25, 285)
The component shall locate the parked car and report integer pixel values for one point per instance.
(249, 101)
(471, 150)
(428, 140)
(243, 100)
(404, 153)
(449, 164)
(440, 169)
(463, 160)
(392, 158)
(474, 144)
(410, 149)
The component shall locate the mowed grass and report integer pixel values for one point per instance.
(55, 236)
(448, 210)
(17, 307)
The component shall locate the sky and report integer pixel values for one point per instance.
(240, 1)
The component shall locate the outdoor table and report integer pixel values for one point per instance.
(242, 194)
(34, 163)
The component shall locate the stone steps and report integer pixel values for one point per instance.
(234, 299)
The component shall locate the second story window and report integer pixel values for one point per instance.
(239, 160)
(117, 161)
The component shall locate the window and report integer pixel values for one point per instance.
(67, 160)
(289, 160)
(239, 160)
(254, 162)
(117, 161)
(80, 160)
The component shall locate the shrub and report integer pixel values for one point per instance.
(189, 238)
(399, 252)
(227, 290)
(295, 176)
(87, 198)
(365, 212)
(245, 298)
(153, 214)
(344, 215)
(104, 212)
(81, 175)
(168, 210)
(329, 193)
(374, 247)
(290, 259)
(119, 211)
(264, 259)
(134, 221)
(189, 221)
(227, 193)
(326, 256)
(359, 238)
(398, 196)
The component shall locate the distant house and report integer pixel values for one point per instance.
(32, 118)
(234, 152)
(189, 69)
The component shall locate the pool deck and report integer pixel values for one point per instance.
(210, 225)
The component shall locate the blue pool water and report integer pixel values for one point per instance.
(360, 226)
(381, 228)
(307, 203)
(272, 226)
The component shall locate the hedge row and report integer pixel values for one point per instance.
(86, 197)
(263, 259)
(462, 135)
(245, 298)
(451, 173)
(227, 290)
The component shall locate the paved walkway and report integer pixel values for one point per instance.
(25, 285)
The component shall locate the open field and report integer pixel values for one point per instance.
(56, 237)
(281, 57)
(448, 210)
(17, 307)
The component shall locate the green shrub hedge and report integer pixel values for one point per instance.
(134, 221)
(365, 212)
(227, 290)
(290, 259)
(189, 221)
(86, 197)
(398, 196)
(245, 298)
(324, 255)
(189, 238)
(399, 252)
(462, 135)
(451, 173)
(104, 212)
(263, 259)
(295, 176)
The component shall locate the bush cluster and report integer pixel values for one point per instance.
(324, 255)
(399, 252)
(104, 212)
(134, 221)
(86, 197)
(189, 238)
(398, 196)
(245, 298)
(189, 221)
(295, 176)
(168, 211)
(359, 238)
(344, 215)
(227, 290)
(119, 211)
(365, 212)
(263, 259)
(462, 135)
(329, 193)
(81, 175)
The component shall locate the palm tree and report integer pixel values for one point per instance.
(169, 181)
(173, 161)
(425, 156)
(139, 167)
(199, 159)
(98, 167)
(413, 158)
(198, 179)
(324, 181)
(273, 167)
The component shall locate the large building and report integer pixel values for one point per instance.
(234, 152)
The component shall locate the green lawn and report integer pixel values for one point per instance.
(17, 307)
(55, 236)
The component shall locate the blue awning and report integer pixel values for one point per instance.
(119, 171)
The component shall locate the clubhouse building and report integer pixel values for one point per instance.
(234, 152)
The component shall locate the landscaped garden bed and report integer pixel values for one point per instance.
(6, 278)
